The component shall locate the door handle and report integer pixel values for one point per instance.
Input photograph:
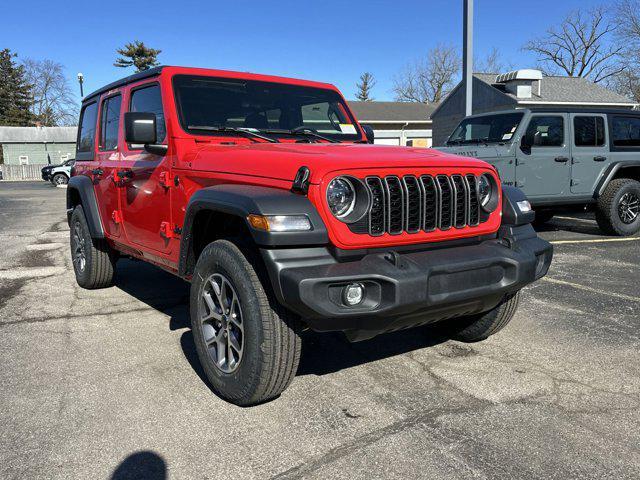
(599, 159)
(561, 159)
(122, 176)
(97, 172)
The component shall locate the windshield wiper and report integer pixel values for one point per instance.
(305, 131)
(242, 131)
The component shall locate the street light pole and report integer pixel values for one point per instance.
(467, 56)
(80, 80)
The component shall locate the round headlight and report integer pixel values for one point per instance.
(341, 197)
(485, 189)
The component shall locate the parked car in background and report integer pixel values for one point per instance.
(263, 193)
(563, 159)
(58, 174)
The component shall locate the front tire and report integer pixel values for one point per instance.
(249, 352)
(618, 211)
(93, 260)
(480, 327)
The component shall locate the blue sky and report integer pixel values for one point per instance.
(333, 41)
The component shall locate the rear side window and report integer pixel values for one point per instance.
(149, 100)
(546, 132)
(626, 131)
(109, 122)
(87, 131)
(588, 131)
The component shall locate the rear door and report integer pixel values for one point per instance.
(145, 191)
(545, 170)
(590, 151)
(108, 159)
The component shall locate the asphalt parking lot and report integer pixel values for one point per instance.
(101, 384)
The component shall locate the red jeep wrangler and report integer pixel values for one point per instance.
(264, 193)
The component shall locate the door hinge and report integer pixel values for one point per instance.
(169, 231)
(116, 216)
(168, 180)
(575, 182)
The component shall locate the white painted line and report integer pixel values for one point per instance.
(592, 290)
(596, 240)
(575, 219)
(34, 272)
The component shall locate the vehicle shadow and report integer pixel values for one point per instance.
(322, 353)
(582, 223)
(145, 464)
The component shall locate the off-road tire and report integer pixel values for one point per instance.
(271, 348)
(480, 327)
(59, 179)
(607, 215)
(100, 259)
(543, 217)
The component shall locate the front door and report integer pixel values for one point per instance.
(590, 151)
(543, 169)
(145, 191)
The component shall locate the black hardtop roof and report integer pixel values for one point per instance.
(585, 109)
(152, 72)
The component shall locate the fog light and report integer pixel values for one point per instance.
(353, 294)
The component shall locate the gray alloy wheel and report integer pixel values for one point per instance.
(59, 179)
(78, 253)
(629, 207)
(221, 323)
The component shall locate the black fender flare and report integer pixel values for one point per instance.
(611, 172)
(244, 200)
(82, 186)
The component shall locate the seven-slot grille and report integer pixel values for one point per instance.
(414, 204)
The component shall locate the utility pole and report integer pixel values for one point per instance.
(467, 56)
(80, 80)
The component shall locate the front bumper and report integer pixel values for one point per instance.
(46, 175)
(406, 289)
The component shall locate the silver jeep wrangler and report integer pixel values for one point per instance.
(563, 159)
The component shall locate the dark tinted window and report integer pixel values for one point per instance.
(148, 100)
(109, 122)
(545, 132)
(588, 131)
(223, 102)
(87, 128)
(626, 131)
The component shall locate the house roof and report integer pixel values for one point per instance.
(392, 112)
(561, 90)
(38, 134)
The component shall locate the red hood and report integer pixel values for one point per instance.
(282, 161)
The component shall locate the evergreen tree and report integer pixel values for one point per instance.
(15, 93)
(367, 82)
(137, 54)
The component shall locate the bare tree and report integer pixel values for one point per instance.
(580, 46)
(492, 63)
(430, 79)
(367, 82)
(53, 100)
(627, 18)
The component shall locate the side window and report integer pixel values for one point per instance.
(545, 131)
(148, 99)
(588, 131)
(109, 123)
(87, 131)
(626, 131)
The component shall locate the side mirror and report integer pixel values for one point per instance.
(525, 144)
(140, 129)
(368, 131)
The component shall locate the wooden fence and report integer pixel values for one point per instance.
(21, 172)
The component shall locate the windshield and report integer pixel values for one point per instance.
(272, 108)
(486, 129)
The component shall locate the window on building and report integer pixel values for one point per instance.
(149, 100)
(109, 123)
(545, 132)
(626, 131)
(588, 131)
(23, 159)
(87, 127)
